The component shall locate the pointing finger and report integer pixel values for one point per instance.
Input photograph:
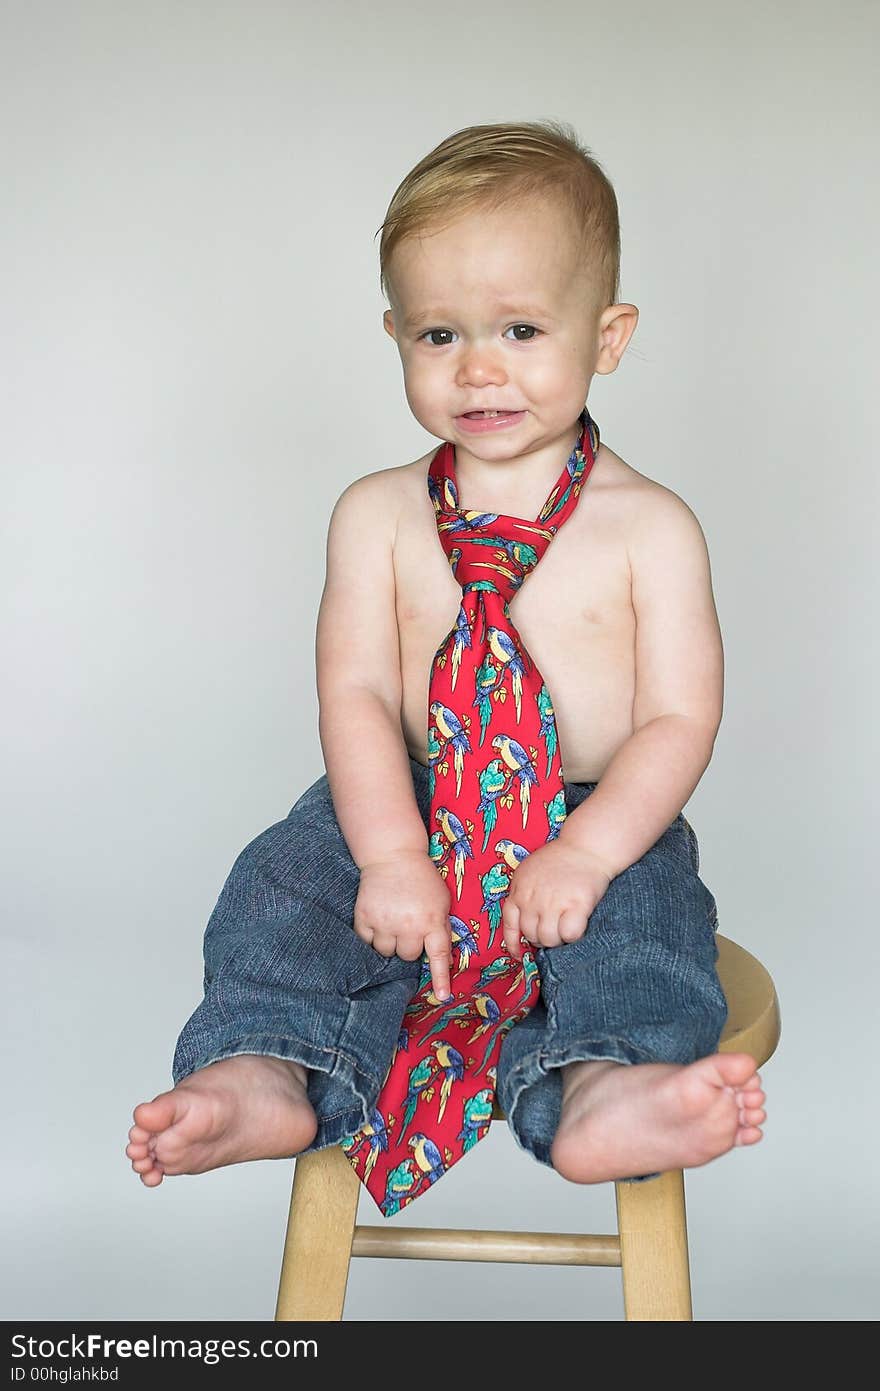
(437, 952)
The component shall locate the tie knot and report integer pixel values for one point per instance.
(491, 553)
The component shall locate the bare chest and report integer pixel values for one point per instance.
(574, 615)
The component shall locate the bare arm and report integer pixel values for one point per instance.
(403, 903)
(370, 781)
(359, 683)
(679, 692)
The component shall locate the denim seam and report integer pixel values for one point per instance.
(551, 1057)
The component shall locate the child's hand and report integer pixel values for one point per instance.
(403, 906)
(552, 893)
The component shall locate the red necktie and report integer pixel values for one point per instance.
(497, 793)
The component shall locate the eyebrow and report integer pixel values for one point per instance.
(529, 311)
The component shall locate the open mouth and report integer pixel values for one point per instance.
(481, 422)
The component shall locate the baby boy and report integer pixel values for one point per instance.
(500, 262)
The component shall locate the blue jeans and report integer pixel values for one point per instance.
(286, 975)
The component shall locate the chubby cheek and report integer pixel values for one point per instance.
(426, 391)
(554, 379)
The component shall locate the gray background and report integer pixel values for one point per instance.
(194, 368)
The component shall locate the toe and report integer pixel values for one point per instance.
(736, 1069)
(159, 1113)
(751, 1098)
(136, 1151)
(749, 1118)
(142, 1166)
(749, 1135)
(152, 1179)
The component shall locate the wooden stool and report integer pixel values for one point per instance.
(650, 1247)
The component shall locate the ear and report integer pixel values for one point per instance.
(617, 324)
(388, 323)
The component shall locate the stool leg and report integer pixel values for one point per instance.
(654, 1248)
(320, 1231)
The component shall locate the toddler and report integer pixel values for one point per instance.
(335, 932)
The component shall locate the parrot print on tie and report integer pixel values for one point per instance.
(496, 786)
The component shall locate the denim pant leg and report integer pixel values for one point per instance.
(286, 975)
(639, 986)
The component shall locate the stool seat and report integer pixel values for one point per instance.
(650, 1245)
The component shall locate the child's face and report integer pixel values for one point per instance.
(495, 312)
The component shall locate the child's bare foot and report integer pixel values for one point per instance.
(246, 1107)
(621, 1121)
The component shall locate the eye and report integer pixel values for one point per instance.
(429, 331)
(530, 329)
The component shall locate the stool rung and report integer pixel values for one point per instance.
(444, 1244)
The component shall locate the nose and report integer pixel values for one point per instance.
(480, 365)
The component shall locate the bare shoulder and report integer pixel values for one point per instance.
(378, 499)
(655, 520)
(411, 481)
(372, 498)
(357, 640)
(679, 656)
(641, 498)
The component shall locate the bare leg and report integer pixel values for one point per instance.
(246, 1107)
(624, 1121)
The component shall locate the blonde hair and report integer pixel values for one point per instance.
(491, 166)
